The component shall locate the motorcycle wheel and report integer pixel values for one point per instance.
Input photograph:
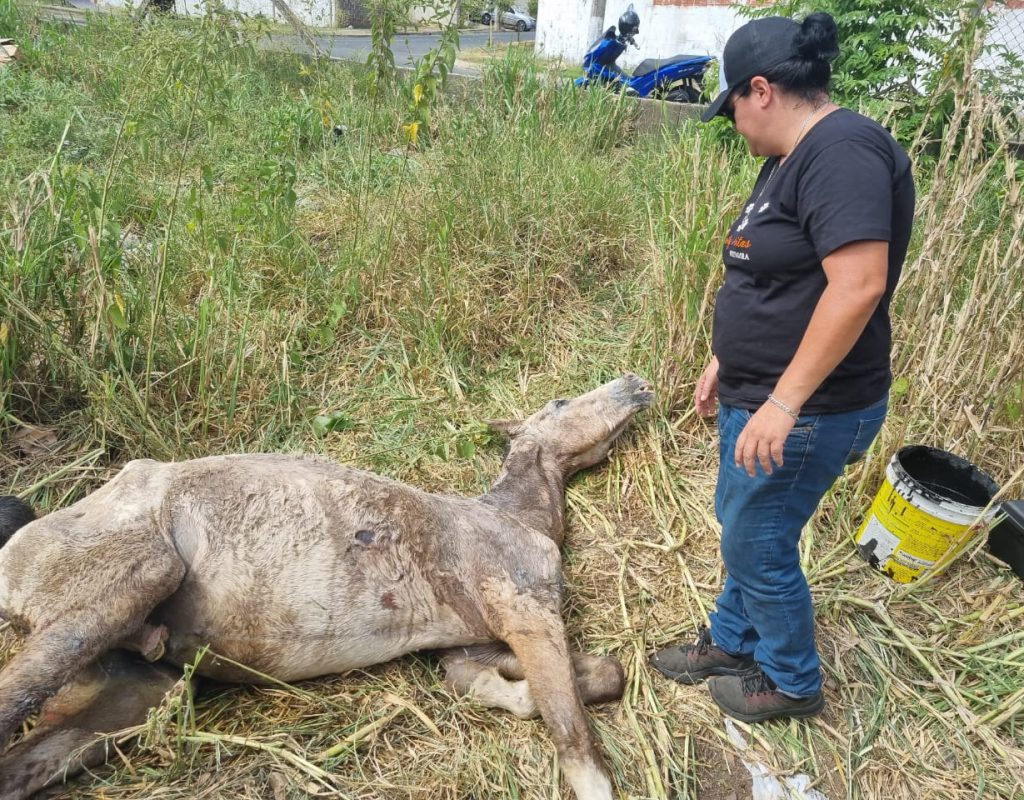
(682, 94)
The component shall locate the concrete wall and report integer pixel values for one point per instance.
(423, 14)
(319, 13)
(666, 29)
(312, 12)
(697, 27)
(673, 30)
(563, 28)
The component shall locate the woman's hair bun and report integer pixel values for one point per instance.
(818, 37)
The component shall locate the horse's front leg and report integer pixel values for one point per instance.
(536, 634)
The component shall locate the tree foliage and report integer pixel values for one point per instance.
(908, 56)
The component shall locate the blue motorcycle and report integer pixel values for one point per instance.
(677, 79)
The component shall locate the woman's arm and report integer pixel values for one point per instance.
(857, 274)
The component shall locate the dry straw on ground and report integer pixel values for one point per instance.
(923, 683)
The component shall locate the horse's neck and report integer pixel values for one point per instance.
(532, 488)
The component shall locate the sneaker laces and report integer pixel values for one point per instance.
(755, 681)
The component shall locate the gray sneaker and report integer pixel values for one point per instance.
(689, 663)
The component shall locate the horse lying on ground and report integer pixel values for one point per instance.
(297, 567)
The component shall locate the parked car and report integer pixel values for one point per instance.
(511, 18)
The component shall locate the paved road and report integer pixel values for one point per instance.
(407, 47)
(348, 46)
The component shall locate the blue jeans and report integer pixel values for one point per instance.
(764, 610)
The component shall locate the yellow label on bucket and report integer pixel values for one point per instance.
(902, 540)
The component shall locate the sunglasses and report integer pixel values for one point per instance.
(729, 107)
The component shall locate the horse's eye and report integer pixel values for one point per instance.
(560, 402)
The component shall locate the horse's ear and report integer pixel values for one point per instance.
(510, 427)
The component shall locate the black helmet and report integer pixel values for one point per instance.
(629, 22)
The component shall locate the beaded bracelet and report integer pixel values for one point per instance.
(779, 404)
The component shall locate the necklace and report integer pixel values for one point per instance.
(775, 168)
(803, 126)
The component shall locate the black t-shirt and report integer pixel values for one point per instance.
(846, 181)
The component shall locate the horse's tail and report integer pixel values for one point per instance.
(14, 514)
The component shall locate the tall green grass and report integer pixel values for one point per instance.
(193, 262)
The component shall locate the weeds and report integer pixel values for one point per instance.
(194, 261)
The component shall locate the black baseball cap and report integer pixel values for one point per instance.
(752, 50)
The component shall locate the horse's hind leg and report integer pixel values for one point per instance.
(489, 687)
(114, 693)
(148, 641)
(492, 675)
(91, 605)
(601, 679)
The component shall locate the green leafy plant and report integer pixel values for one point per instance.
(908, 58)
(386, 17)
(538, 246)
(430, 74)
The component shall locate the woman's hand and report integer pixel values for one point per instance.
(705, 398)
(763, 439)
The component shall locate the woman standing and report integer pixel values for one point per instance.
(801, 352)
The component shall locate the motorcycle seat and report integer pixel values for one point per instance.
(651, 64)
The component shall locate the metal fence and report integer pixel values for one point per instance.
(1007, 21)
(1003, 56)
